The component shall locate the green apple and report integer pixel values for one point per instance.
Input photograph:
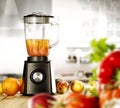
(91, 88)
(93, 83)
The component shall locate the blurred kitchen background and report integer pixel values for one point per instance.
(79, 22)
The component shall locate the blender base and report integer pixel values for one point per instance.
(37, 76)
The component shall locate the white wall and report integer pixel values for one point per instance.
(80, 21)
(12, 51)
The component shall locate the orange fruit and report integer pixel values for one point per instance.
(21, 83)
(10, 86)
(1, 90)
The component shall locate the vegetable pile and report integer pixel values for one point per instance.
(109, 79)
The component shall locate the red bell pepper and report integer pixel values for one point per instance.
(108, 67)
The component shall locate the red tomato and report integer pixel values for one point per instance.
(77, 100)
(75, 103)
(91, 102)
(74, 95)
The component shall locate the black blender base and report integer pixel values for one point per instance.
(37, 76)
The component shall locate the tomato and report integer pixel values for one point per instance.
(91, 102)
(75, 103)
(77, 100)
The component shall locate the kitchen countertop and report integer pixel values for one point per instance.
(17, 101)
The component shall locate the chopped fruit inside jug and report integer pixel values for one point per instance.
(37, 47)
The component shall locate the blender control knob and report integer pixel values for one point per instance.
(38, 76)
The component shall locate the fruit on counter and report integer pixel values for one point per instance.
(10, 86)
(57, 80)
(1, 90)
(91, 88)
(77, 86)
(21, 84)
(41, 100)
(78, 100)
(93, 83)
(62, 87)
(71, 100)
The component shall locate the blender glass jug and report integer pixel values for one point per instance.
(41, 34)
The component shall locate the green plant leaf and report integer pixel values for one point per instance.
(117, 75)
(99, 49)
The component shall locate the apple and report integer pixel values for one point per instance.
(93, 83)
(77, 86)
(57, 80)
(92, 88)
(62, 87)
(41, 100)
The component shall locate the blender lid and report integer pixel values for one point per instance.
(37, 18)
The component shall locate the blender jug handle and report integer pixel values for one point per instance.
(51, 46)
(54, 44)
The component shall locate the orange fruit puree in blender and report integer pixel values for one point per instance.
(37, 47)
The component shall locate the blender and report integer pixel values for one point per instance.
(41, 34)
